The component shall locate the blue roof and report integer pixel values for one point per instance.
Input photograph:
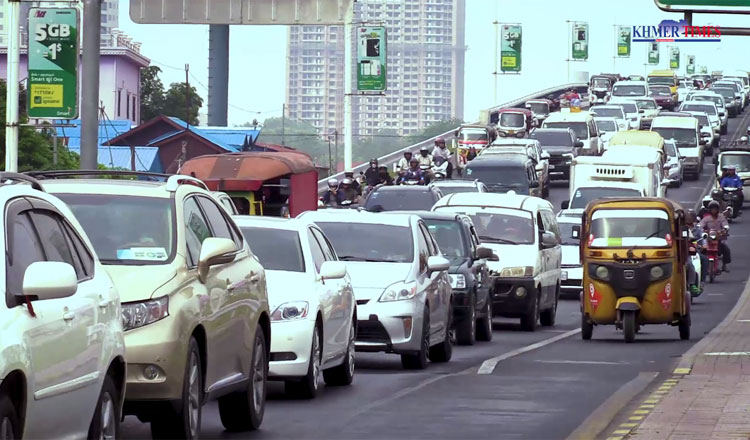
(107, 130)
(146, 158)
(228, 138)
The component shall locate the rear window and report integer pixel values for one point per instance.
(710, 109)
(606, 126)
(453, 189)
(277, 249)
(512, 120)
(551, 138)
(395, 200)
(583, 196)
(629, 90)
(370, 242)
(605, 112)
(579, 128)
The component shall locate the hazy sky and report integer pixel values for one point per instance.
(257, 53)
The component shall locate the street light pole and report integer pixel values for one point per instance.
(348, 139)
(11, 92)
(92, 18)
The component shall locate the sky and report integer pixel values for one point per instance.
(257, 53)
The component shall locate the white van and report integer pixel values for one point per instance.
(523, 232)
(582, 124)
(630, 89)
(686, 134)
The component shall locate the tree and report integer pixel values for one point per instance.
(435, 129)
(176, 100)
(296, 134)
(152, 93)
(34, 147)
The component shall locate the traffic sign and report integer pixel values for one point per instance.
(53, 63)
(727, 6)
(240, 11)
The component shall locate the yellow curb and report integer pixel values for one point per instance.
(648, 405)
(628, 425)
(641, 411)
(621, 432)
(636, 418)
(682, 371)
(651, 401)
(615, 437)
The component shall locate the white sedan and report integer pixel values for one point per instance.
(313, 311)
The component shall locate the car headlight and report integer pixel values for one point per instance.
(291, 311)
(656, 272)
(458, 281)
(399, 292)
(138, 314)
(517, 271)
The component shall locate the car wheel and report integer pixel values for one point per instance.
(587, 329)
(547, 317)
(484, 324)
(530, 320)
(106, 421)
(307, 388)
(466, 330)
(418, 360)
(185, 422)
(10, 425)
(443, 351)
(344, 373)
(244, 410)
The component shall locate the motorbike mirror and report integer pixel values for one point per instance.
(685, 233)
(578, 144)
(576, 231)
(565, 204)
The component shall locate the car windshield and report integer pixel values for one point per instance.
(607, 112)
(400, 200)
(512, 120)
(277, 249)
(566, 234)
(510, 176)
(552, 138)
(646, 104)
(725, 92)
(447, 233)
(600, 83)
(702, 120)
(606, 125)
(709, 109)
(370, 241)
(116, 227)
(453, 189)
(741, 161)
(683, 137)
(583, 196)
(579, 128)
(468, 134)
(539, 108)
(629, 228)
(718, 100)
(666, 80)
(629, 90)
(660, 91)
(629, 107)
(509, 226)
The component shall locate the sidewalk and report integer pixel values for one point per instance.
(709, 394)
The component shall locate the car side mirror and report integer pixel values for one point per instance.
(49, 280)
(665, 182)
(565, 204)
(576, 231)
(578, 144)
(533, 185)
(437, 264)
(548, 240)
(484, 253)
(332, 270)
(215, 251)
(545, 155)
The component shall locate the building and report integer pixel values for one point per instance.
(110, 17)
(426, 51)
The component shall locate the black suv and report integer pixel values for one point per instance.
(472, 303)
(562, 145)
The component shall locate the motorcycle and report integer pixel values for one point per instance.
(713, 241)
(725, 208)
(732, 197)
(439, 169)
(695, 259)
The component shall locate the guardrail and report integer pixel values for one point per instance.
(389, 159)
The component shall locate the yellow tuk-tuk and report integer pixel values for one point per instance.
(633, 252)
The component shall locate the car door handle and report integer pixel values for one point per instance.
(68, 316)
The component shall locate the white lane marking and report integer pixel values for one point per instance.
(743, 320)
(715, 294)
(489, 365)
(695, 187)
(685, 202)
(728, 353)
(581, 362)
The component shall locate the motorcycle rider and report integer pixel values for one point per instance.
(696, 241)
(349, 174)
(372, 176)
(385, 176)
(413, 173)
(441, 150)
(716, 221)
(347, 193)
(425, 162)
(403, 163)
(331, 194)
(732, 180)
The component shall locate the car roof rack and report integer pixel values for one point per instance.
(180, 179)
(6, 176)
(62, 174)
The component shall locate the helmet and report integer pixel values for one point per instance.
(439, 141)
(373, 161)
(714, 204)
(413, 161)
(424, 149)
(731, 168)
(407, 152)
(349, 173)
(346, 181)
(333, 182)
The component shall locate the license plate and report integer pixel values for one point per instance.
(564, 275)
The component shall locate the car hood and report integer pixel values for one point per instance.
(284, 286)
(570, 255)
(557, 150)
(138, 283)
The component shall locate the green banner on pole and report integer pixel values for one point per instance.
(623, 41)
(690, 67)
(674, 58)
(653, 53)
(510, 52)
(580, 49)
(53, 63)
(371, 58)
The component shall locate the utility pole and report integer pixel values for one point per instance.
(54, 146)
(336, 149)
(92, 18)
(494, 69)
(187, 96)
(283, 117)
(348, 138)
(218, 74)
(330, 158)
(11, 93)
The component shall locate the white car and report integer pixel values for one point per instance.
(310, 295)
(707, 107)
(62, 352)
(607, 128)
(648, 109)
(630, 90)
(718, 100)
(707, 133)
(632, 114)
(571, 277)
(610, 111)
(400, 279)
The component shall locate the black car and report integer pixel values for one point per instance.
(562, 145)
(503, 173)
(472, 304)
(402, 198)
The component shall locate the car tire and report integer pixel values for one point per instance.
(308, 387)
(466, 330)
(418, 360)
(343, 374)
(484, 324)
(244, 410)
(185, 422)
(547, 317)
(530, 320)
(106, 421)
(443, 352)
(10, 424)
(587, 329)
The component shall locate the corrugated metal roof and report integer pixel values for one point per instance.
(146, 158)
(229, 138)
(107, 131)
